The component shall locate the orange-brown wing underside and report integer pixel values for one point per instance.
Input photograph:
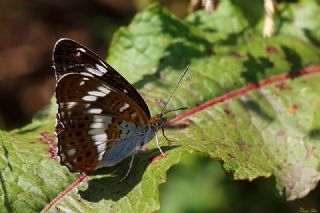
(91, 119)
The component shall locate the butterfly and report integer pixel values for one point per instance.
(101, 118)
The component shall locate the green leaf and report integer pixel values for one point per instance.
(29, 177)
(300, 21)
(257, 129)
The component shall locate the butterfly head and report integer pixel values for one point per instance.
(158, 121)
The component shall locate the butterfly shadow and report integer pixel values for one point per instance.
(109, 187)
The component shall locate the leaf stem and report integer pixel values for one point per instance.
(66, 191)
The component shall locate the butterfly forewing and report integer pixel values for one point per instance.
(72, 57)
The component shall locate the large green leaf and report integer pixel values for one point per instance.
(256, 129)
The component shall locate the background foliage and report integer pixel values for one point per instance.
(251, 133)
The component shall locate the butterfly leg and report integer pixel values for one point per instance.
(130, 166)
(166, 136)
(158, 145)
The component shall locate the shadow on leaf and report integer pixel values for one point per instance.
(109, 187)
(28, 129)
(233, 39)
(6, 154)
(255, 68)
(314, 133)
(252, 14)
(5, 194)
(293, 58)
(312, 37)
(256, 109)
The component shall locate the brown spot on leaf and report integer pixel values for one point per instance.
(272, 50)
(46, 137)
(227, 111)
(293, 108)
(212, 52)
(279, 134)
(236, 54)
(282, 86)
(53, 151)
(279, 167)
(232, 126)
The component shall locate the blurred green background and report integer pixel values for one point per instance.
(29, 30)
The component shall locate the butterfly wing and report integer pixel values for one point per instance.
(72, 57)
(92, 118)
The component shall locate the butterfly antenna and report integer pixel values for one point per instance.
(173, 110)
(175, 88)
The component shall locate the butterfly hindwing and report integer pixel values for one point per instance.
(91, 119)
(72, 57)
